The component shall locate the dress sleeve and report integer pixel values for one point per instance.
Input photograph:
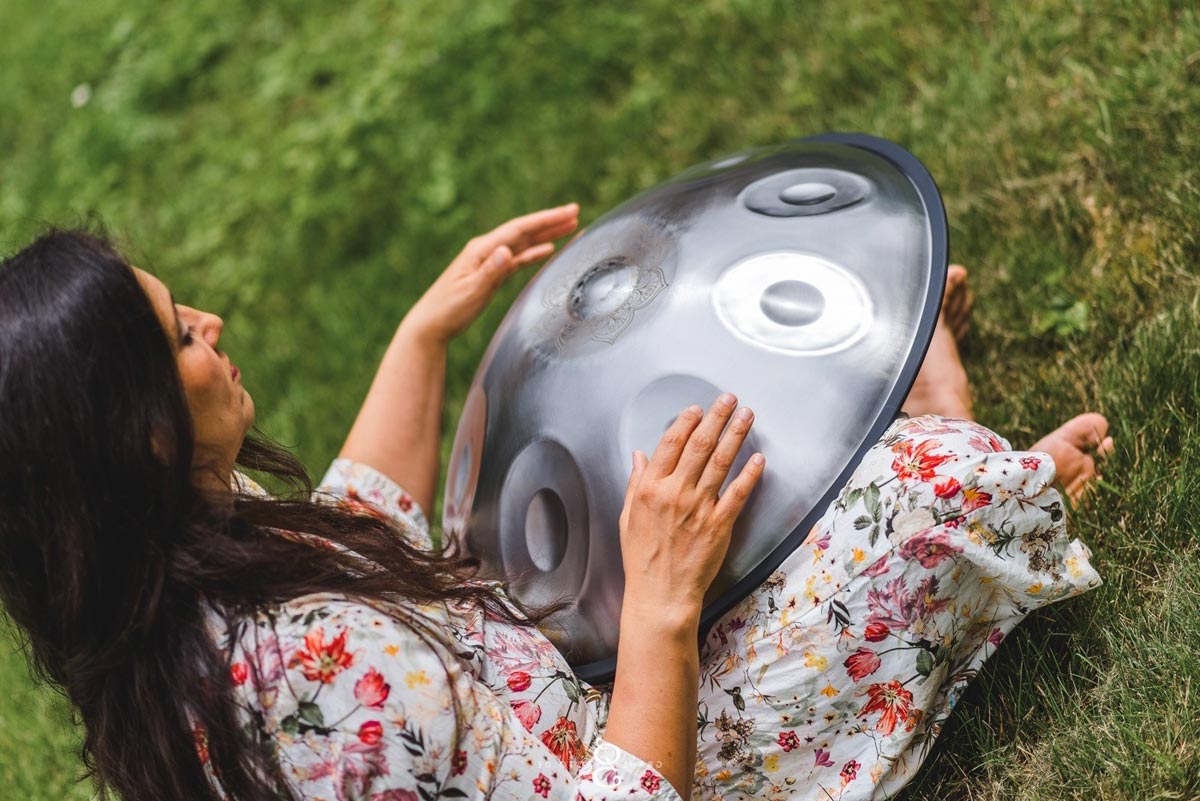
(360, 485)
(360, 705)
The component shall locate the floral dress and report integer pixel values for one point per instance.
(831, 681)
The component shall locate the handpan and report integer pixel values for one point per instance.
(805, 278)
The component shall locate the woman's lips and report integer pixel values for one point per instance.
(233, 371)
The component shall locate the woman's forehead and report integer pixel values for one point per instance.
(160, 297)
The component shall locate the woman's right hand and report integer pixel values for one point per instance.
(675, 529)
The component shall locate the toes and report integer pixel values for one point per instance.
(1083, 479)
(1086, 432)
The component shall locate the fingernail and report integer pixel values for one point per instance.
(726, 399)
(695, 409)
(744, 413)
(757, 459)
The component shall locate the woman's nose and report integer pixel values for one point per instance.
(213, 325)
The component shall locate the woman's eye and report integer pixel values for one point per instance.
(187, 337)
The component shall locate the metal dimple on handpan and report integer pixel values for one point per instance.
(805, 192)
(792, 303)
(603, 290)
(546, 530)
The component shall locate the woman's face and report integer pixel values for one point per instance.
(222, 410)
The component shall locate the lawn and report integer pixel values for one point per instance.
(306, 168)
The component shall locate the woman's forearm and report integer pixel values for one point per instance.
(652, 714)
(398, 428)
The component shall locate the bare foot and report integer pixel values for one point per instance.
(1076, 446)
(941, 386)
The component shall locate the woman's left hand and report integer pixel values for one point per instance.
(462, 291)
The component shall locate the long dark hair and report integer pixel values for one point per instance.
(109, 554)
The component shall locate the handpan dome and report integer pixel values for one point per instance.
(805, 278)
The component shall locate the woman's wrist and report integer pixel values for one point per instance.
(419, 332)
(673, 619)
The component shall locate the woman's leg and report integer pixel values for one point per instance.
(941, 388)
(833, 679)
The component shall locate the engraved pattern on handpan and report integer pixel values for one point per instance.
(642, 245)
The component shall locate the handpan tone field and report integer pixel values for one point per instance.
(804, 277)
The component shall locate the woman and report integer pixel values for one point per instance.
(218, 642)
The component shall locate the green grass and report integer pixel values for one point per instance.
(306, 170)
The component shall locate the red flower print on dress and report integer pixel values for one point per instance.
(898, 608)
(563, 742)
(650, 782)
(360, 505)
(995, 637)
(788, 740)
(879, 566)
(201, 738)
(541, 785)
(850, 772)
(458, 763)
(947, 489)
(876, 632)
(528, 713)
(1030, 462)
(371, 690)
(371, 732)
(861, 663)
(405, 503)
(395, 795)
(823, 760)
(974, 499)
(891, 700)
(239, 672)
(928, 548)
(914, 717)
(321, 661)
(519, 681)
(917, 462)
(986, 444)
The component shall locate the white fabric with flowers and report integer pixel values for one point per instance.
(831, 681)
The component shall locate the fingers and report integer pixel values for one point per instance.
(699, 449)
(666, 455)
(738, 492)
(532, 229)
(1106, 447)
(726, 452)
(534, 254)
(503, 263)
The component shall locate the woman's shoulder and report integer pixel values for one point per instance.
(364, 488)
(296, 619)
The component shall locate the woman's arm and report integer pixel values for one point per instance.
(398, 429)
(675, 533)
